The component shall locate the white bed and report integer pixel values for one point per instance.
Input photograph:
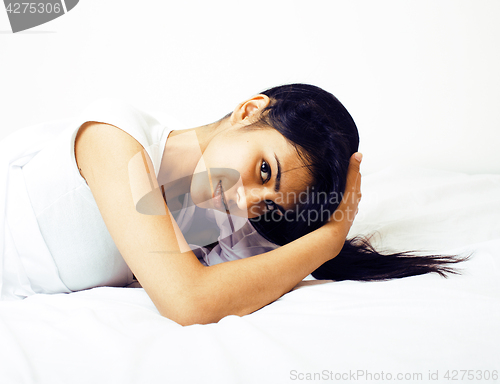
(418, 329)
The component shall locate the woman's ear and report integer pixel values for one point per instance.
(248, 111)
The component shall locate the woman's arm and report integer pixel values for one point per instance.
(178, 284)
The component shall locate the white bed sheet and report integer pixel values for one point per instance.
(422, 325)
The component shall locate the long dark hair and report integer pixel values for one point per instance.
(325, 136)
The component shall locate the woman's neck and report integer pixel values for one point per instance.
(182, 153)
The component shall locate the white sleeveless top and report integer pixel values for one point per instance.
(52, 236)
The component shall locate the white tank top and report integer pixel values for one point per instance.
(66, 212)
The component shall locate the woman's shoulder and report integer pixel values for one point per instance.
(137, 123)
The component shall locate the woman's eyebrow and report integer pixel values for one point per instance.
(277, 183)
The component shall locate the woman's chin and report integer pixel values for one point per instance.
(205, 204)
(212, 205)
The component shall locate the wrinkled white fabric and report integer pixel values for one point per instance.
(413, 327)
(15, 151)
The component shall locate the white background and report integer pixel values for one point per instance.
(421, 78)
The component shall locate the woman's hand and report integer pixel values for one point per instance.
(345, 213)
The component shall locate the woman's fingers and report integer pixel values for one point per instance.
(348, 208)
(352, 193)
(353, 184)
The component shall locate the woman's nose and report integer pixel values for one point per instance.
(249, 199)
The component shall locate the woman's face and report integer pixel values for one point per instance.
(249, 172)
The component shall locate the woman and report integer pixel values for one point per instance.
(111, 195)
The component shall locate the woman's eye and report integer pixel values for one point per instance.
(265, 171)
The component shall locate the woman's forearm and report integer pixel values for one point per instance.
(243, 286)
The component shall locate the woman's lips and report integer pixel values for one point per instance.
(220, 203)
(217, 197)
